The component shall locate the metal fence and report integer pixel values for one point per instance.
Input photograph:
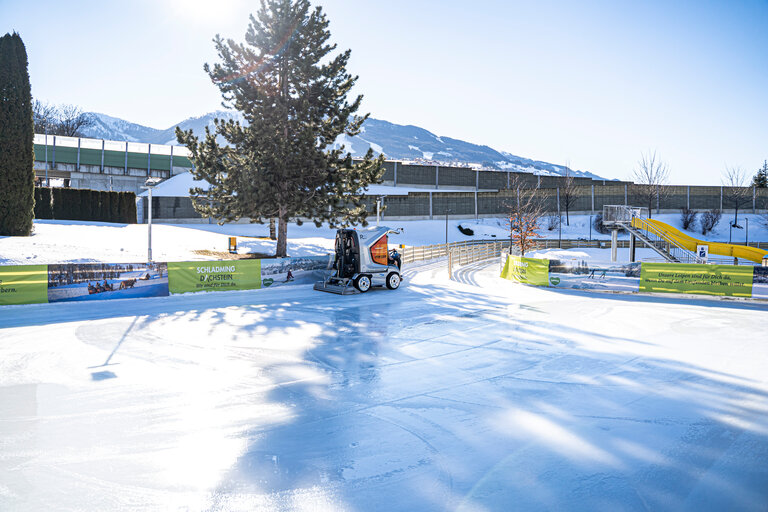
(463, 253)
(431, 252)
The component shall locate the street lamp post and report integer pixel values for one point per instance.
(47, 182)
(379, 200)
(149, 185)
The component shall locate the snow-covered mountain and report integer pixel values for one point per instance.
(112, 128)
(399, 142)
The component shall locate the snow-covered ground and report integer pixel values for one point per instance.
(473, 394)
(73, 241)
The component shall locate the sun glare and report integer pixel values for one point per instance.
(204, 11)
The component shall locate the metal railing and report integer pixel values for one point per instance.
(620, 214)
(431, 252)
(666, 243)
(474, 253)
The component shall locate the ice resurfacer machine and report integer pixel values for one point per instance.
(362, 260)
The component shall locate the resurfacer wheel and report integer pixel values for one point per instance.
(363, 283)
(393, 280)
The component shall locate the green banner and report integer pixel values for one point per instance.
(23, 284)
(201, 276)
(731, 280)
(526, 270)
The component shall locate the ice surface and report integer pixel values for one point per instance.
(471, 394)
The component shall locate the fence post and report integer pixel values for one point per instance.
(437, 176)
(430, 206)
(395, 173)
(593, 199)
(658, 201)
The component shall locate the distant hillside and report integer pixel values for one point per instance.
(398, 142)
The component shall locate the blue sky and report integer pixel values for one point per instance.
(594, 83)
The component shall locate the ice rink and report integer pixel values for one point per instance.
(475, 394)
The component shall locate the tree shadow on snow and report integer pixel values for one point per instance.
(438, 399)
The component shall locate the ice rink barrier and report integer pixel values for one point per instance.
(74, 282)
(717, 280)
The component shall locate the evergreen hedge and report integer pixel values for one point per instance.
(82, 204)
(43, 204)
(114, 205)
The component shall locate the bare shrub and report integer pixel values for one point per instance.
(598, 226)
(710, 219)
(688, 218)
(552, 221)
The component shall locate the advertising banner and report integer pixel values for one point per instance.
(302, 270)
(201, 276)
(760, 283)
(23, 284)
(730, 280)
(526, 270)
(582, 275)
(104, 281)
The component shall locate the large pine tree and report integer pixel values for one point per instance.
(292, 94)
(17, 175)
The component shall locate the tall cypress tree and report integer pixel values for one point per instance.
(17, 175)
(292, 94)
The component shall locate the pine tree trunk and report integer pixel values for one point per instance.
(282, 234)
(272, 232)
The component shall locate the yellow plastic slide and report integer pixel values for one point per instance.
(690, 243)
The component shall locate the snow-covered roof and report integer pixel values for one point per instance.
(179, 186)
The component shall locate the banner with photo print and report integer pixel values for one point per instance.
(70, 282)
